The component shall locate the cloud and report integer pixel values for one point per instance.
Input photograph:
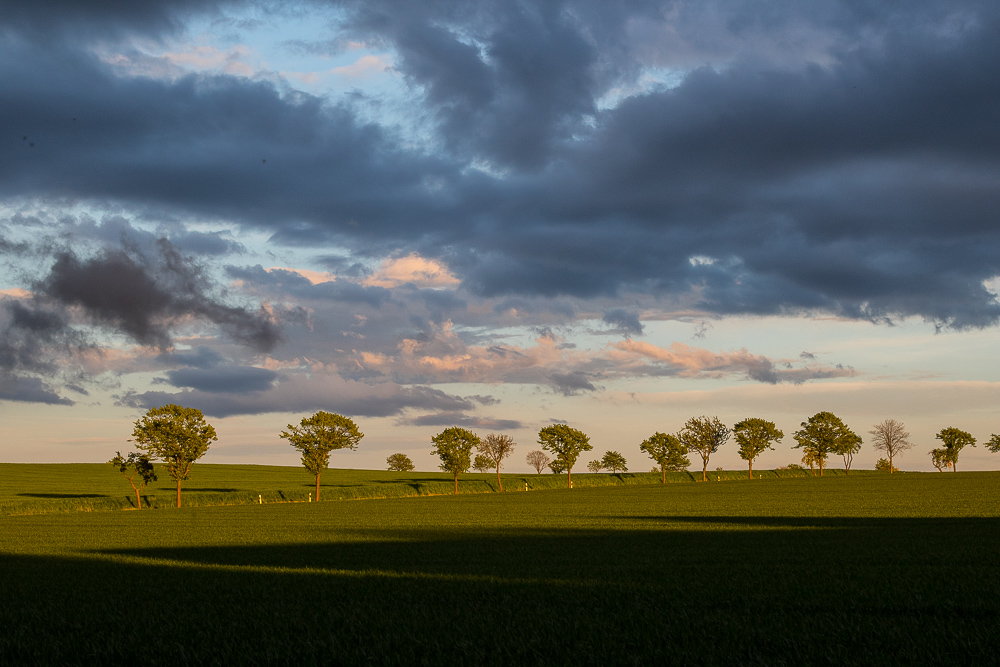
(461, 419)
(223, 379)
(413, 269)
(29, 390)
(623, 322)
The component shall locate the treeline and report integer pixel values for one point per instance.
(178, 436)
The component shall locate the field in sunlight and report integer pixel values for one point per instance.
(872, 569)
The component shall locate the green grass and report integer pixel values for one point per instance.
(34, 488)
(866, 569)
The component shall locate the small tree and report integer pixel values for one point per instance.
(481, 463)
(890, 436)
(495, 448)
(400, 462)
(826, 434)
(595, 467)
(139, 466)
(614, 462)
(704, 435)
(809, 459)
(994, 444)
(955, 440)
(315, 437)
(883, 465)
(566, 444)
(939, 459)
(668, 452)
(557, 467)
(538, 460)
(175, 435)
(754, 435)
(454, 447)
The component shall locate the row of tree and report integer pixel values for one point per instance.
(178, 436)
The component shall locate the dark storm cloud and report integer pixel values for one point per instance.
(838, 158)
(29, 390)
(143, 297)
(223, 379)
(569, 384)
(623, 322)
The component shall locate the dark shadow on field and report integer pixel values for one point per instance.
(209, 489)
(64, 495)
(884, 591)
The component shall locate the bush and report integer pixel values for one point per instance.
(882, 465)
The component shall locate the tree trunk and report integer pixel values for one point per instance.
(138, 501)
(821, 467)
(456, 483)
(704, 467)
(499, 482)
(569, 478)
(751, 468)
(890, 461)
(178, 493)
(663, 469)
(317, 487)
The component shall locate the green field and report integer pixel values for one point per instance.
(866, 569)
(30, 488)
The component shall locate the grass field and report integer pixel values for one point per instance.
(30, 488)
(866, 569)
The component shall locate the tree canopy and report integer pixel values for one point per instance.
(755, 435)
(614, 462)
(316, 436)
(175, 435)
(538, 460)
(826, 434)
(454, 447)
(495, 448)
(954, 441)
(668, 452)
(566, 444)
(399, 462)
(704, 435)
(891, 437)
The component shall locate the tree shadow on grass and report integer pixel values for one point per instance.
(64, 495)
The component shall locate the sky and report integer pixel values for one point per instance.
(498, 215)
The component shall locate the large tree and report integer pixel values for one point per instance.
(538, 460)
(137, 469)
(954, 441)
(668, 452)
(826, 434)
(495, 448)
(566, 444)
(316, 436)
(754, 435)
(454, 447)
(891, 437)
(175, 435)
(704, 435)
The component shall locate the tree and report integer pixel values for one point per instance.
(754, 435)
(175, 435)
(315, 437)
(400, 462)
(954, 441)
(883, 465)
(496, 448)
(668, 452)
(557, 467)
(595, 466)
(481, 463)
(538, 460)
(566, 444)
(826, 434)
(939, 459)
(140, 466)
(614, 462)
(809, 458)
(454, 447)
(994, 444)
(891, 438)
(704, 435)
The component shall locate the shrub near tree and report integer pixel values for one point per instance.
(954, 441)
(175, 435)
(891, 437)
(495, 448)
(137, 468)
(754, 435)
(400, 462)
(939, 459)
(316, 436)
(704, 435)
(614, 462)
(538, 460)
(826, 434)
(454, 447)
(566, 444)
(668, 452)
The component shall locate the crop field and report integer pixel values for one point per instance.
(865, 569)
